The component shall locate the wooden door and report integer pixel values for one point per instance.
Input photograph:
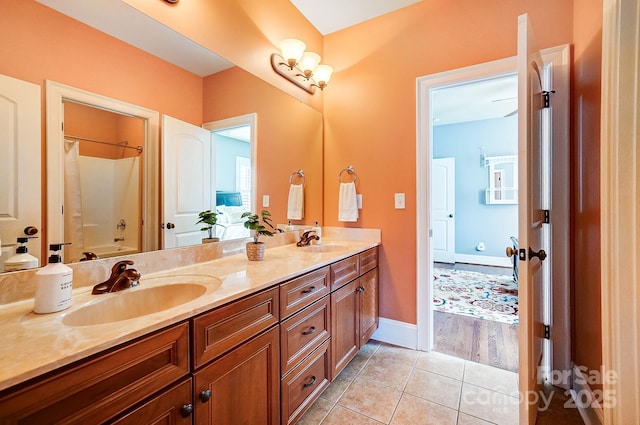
(171, 407)
(368, 305)
(20, 139)
(532, 244)
(242, 386)
(345, 326)
(443, 208)
(187, 181)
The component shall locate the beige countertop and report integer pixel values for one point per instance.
(33, 344)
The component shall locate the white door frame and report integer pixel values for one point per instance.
(55, 94)
(559, 58)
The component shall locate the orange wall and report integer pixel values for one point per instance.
(245, 32)
(587, 35)
(370, 109)
(289, 136)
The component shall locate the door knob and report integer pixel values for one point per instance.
(450, 215)
(170, 225)
(540, 254)
(511, 252)
(30, 230)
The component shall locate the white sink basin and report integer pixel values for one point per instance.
(135, 302)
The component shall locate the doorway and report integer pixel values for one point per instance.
(557, 60)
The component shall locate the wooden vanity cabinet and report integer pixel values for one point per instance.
(98, 389)
(354, 308)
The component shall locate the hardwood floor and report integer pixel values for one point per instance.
(481, 341)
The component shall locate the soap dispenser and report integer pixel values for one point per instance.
(289, 227)
(22, 260)
(54, 283)
(316, 228)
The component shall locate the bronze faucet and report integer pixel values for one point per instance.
(121, 278)
(307, 237)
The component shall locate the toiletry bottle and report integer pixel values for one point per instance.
(22, 260)
(316, 228)
(53, 284)
(288, 227)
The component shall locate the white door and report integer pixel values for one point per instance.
(443, 207)
(187, 181)
(533, 243)
(20, 147)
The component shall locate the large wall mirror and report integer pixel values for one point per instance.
(288, 133)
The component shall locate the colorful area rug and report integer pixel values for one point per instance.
(480, 295)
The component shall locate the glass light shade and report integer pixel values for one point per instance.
(308, 62)
(292, 49)
(322, 74)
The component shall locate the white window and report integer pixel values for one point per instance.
(243, 180)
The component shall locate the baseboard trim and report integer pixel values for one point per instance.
(397, 333)
(485, 260)
(592, 414)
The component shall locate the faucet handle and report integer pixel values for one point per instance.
(120, 266)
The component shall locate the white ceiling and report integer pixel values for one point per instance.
(468, 102)
(332, 15)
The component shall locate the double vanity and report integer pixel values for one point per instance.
(221, 341)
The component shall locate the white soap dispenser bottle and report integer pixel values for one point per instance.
(316, 228)
(22, 260)
(54, 283)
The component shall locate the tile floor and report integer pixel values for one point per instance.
(385, 384)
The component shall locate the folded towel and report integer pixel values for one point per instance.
(347, 202)
(295, 205)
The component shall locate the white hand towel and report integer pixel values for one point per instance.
(295, 205)
(347, 202)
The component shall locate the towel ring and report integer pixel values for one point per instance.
(298, 173)
(350, 171)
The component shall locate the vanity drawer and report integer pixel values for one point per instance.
(344, 271)
(304, 384)
(303, 332)
(368, 260)
(97, 389)
(300, 292)
(225, 327)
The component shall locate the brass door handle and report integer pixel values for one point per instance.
(511, 252)
(540, 254)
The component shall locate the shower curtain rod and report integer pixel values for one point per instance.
(138, 148)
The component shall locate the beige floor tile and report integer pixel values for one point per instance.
(436, 388)
(355, 366)
(393, 373)
(414, 410)
(406, 355)
(341, 416)
(316, 413)
(464, 419)
(491, 378)
(372, 399)
(489, 405)
(335, 390)
(442, 364)
(370, 347)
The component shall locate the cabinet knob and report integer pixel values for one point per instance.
(186, 410)
(360, 289)
(308, 291)
(308, 384)
(205, 396)
(311, 330)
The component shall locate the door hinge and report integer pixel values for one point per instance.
(547, 331)
(547, 98)
(546, 216)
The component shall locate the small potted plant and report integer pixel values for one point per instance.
(210, 218)
(258, 224)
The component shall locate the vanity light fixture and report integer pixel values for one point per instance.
(300, 67)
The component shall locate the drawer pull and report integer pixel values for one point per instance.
(308, 384)
(205, 396)
(186, 410)
(311, 330)
(360, 289)
(310, 290)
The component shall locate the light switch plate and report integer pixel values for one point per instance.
(399, 201)
(265, 201)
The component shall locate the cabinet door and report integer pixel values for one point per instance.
(172, 407)
(242, 386)
(345, 326)
(368, 299)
